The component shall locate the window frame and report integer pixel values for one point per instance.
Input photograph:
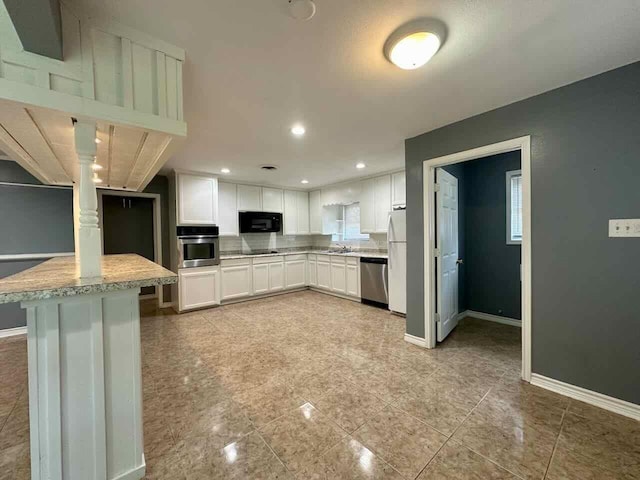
(509, 176)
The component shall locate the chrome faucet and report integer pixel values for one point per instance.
(343, 248)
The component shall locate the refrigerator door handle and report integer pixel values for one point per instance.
(388, 224)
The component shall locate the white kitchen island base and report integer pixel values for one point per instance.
(85, 374)
(85, 392)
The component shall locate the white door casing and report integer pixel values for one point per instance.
(447, 258)
(523, 144)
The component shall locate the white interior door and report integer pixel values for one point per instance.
(447, 260)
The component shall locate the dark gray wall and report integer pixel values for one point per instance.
(38, 23)
(11, 314)
(492, 267)
(35, 220)
(40, 220)
(584, 145)
(32, 220)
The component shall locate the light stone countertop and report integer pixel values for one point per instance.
(358, 254)
(58, 278)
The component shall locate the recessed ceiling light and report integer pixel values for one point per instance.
(97, 180)
(225, 170)
(95, 166)
(298, 130)
(98, 140)
(304, 181)
(415, 43)
(302, 9)
(360, 165)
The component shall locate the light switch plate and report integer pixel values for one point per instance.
(624, 227)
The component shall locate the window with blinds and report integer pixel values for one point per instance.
(514, 207)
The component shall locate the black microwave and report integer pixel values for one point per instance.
(255, 222)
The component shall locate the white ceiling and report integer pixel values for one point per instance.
(252, 72)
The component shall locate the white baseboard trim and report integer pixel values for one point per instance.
(420, 342)
(134, 474)
(596, 399)
(491, 318)
(166, 305)
(10, 332)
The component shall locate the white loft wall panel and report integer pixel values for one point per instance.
(145, 79)
(111, 74)
(107, 71)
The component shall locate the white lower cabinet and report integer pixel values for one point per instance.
(353, 277)
(323, 268)
(276, 276)
(236, 278)
(198, 287)
(261, 279)
(313, 271)
(295, 271)
(240, 278)
(338, 276)
(268, 275)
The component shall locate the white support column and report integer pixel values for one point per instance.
(88, 251)
(85, 389)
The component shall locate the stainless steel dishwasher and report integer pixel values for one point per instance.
(374, 281)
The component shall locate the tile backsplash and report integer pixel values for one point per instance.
(276, 241)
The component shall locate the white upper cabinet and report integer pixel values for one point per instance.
(367, 207)
(398, 189)
(382, 202)
(272, 200)
(228, 209)
(296, 213)
(375, 204)
(290, 213)
(303, 212)
(249, 198)
(197, 199)
(315, 212)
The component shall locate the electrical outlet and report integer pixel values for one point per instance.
(624, 227)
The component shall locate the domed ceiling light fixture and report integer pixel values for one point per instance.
(415, 43)
(302, 9)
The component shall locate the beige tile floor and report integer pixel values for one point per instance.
(310, 386)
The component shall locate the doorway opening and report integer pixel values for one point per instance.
(443, 261)
(130, 223)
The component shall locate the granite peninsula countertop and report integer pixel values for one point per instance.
(357, 254)
(58, 278)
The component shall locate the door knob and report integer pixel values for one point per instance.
(459, 261)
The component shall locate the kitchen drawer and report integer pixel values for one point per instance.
(312, 257)
(234, 262)
(262, 260)
(353, 260)
(324, 258)
(295, 258)
(337, 260)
